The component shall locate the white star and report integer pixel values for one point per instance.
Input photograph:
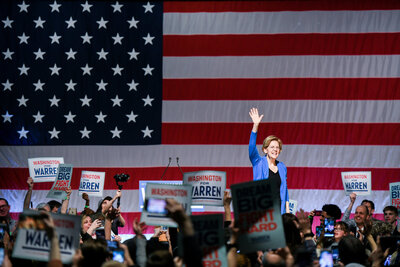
(133, 54)
(102, 54)
(7, 117)
(39, 23)
(85, 101)
(116, 101)
(133, 22)
(147, 101)
(70, 117)
(23, 7)
(117, 7)
(54, 133)
(117, 39)
(101, 85)
(132, 85)
(147, 70)
(55, 38)
(38, 117)
(148, 8)
(131, 117)
(7, 85)
(55, 6)
(23, 38)
(102, 23)
(100, 117)
(54, 101)
(86, 7)
(70, 54)
(22, 101)
(117, 70)
(39, 54)
(70, 85)
(38, 85)
(148, 39)
(115, 132)
(8, 54)
(70, 23)
(86, 70)
(86, 38)
(55, 69)
(22, 133)
(7, 22)
(147, 132)
(23, 70)
(85, 133)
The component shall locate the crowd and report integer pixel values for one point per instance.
(360, 241)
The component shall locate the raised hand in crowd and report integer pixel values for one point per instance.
(96, 224)
(64, 206)
(85, 197)
(304, 224)
(108, 205)
(28, 196)
(54, 255)
(346, 215)
(227, 205)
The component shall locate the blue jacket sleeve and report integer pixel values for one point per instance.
(253, 153)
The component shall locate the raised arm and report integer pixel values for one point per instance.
(28, 195)
(256, 118)
(109, 204)
(346, 215)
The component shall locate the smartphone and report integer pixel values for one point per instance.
(112, 245)
(335, 253)
(155, 205)
(118, 255)
(329, 227)
(318, 230)
(318, 213)
(3, 230)
(72, 211)
(164, 228)
(1, 256)
(326, 259)
(100, 234)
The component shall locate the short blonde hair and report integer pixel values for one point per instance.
(271, 138)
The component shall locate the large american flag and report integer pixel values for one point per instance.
(124, 86)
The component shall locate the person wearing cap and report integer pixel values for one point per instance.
(106, 205)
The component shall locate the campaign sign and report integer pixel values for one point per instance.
(209, 233)
(154, 212)
(258, 214)
(92, 183)
(32, 242)
(292, 206)
(62, 182)
(357, 182)
(207, 187)
(394, 189)
(44, 169)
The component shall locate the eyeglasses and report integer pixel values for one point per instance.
(274, 147)
(3, 206)
(338, 229)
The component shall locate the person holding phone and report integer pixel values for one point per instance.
(268, 167)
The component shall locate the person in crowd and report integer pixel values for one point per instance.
(368, 203)
(88, 227)
(137, 244)
(5, 216)
(391, 216)
(268, 167)
(106, 207)
(351, 251)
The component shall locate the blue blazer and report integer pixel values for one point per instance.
(261, 170)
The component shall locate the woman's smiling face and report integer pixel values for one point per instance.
(272, 150)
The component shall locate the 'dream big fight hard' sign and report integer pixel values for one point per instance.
(257, 212)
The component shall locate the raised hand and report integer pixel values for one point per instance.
(255, 117)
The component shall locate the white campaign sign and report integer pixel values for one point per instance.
(180, 193)
(92, 183)
(32, 242)
(207, 187)
(357, 182)
(44, 169)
